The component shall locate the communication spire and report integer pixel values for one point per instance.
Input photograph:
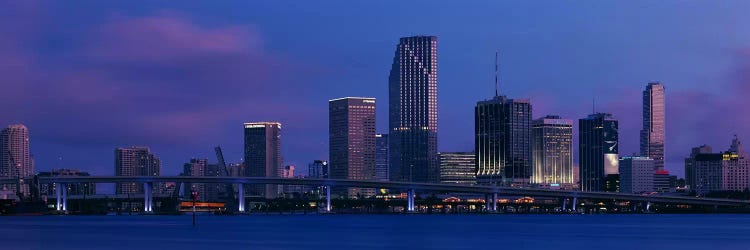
(496, 72)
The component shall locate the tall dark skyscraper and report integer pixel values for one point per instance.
(598, 153)
(553, 151)
(15, 159)
(502, 129)
(263, 155)
(352, 140)
(381, 157)
(412, 104)
(652, 134)
(135, 161)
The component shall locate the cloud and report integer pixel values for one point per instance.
(158, 79)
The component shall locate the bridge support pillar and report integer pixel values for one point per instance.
(410, 201)
(241, 197)
(148, 201)
(575, 203)
(564, 204)
(635, 207)
(648, 206)
(328, 198)
(494, 202)
(58, 196)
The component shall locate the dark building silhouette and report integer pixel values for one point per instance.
(381, 157)
(502, 143)
(263, 155)
(598, 153)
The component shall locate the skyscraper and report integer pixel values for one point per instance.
(502, 143)
(15, 160)
(691, 163)
(352, 140)
(318, 169)
(652, 134)
(381, 157)
(135, 161)
(553, 151)
(263, 155)
(598, 153)
(412, 106)
(457, 168)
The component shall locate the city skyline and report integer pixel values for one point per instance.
(85, 141)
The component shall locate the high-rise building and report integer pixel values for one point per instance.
(413, 112)
(135, 161)
(663, 182)
(652, 134)
(351, 136)
(49, 189)
(636, 174)
(457, 167)
(318, 169)
(195, 168)
(381, 157)
(723, 171)
(15, 159)
(553, 151)
(502, 143)
(598, 153)
(263, 155)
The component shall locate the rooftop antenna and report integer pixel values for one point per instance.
(496, 71)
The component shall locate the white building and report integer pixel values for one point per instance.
(636, 174)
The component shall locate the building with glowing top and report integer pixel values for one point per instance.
(553, 151)
(412, 108)
(652, 134)
(263, 155)
(598, 153)
(352, 141)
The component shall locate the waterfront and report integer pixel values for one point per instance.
(623, 231)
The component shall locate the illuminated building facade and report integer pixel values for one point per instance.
(352, 141)
(15, 159)
(457, 167)
(413, 113)
(553, 151)
(503, 137)
(636, 174)
(652, 134)
(598, 153)
(263, 155)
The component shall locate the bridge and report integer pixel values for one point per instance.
(410, 187)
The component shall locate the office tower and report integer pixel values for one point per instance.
(652, 134)
(598, 152)
(263, 155)
(351, 136)
(318, 169)
(236, 169)
(195, 168)
(723, 171)
(381, 157)
(502, 129)
(135, 161)
(413, 113)
(636, 174)
(15, 160)
(457, 167)
(553, 151)
(49, 189)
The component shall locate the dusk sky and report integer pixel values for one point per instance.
(89, 76)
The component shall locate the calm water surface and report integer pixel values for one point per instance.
(647, 231)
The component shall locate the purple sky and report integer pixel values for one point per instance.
(89, 76)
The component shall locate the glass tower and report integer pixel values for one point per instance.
(263, 155)
(412, 104)
(598, 153)
(652, 134)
